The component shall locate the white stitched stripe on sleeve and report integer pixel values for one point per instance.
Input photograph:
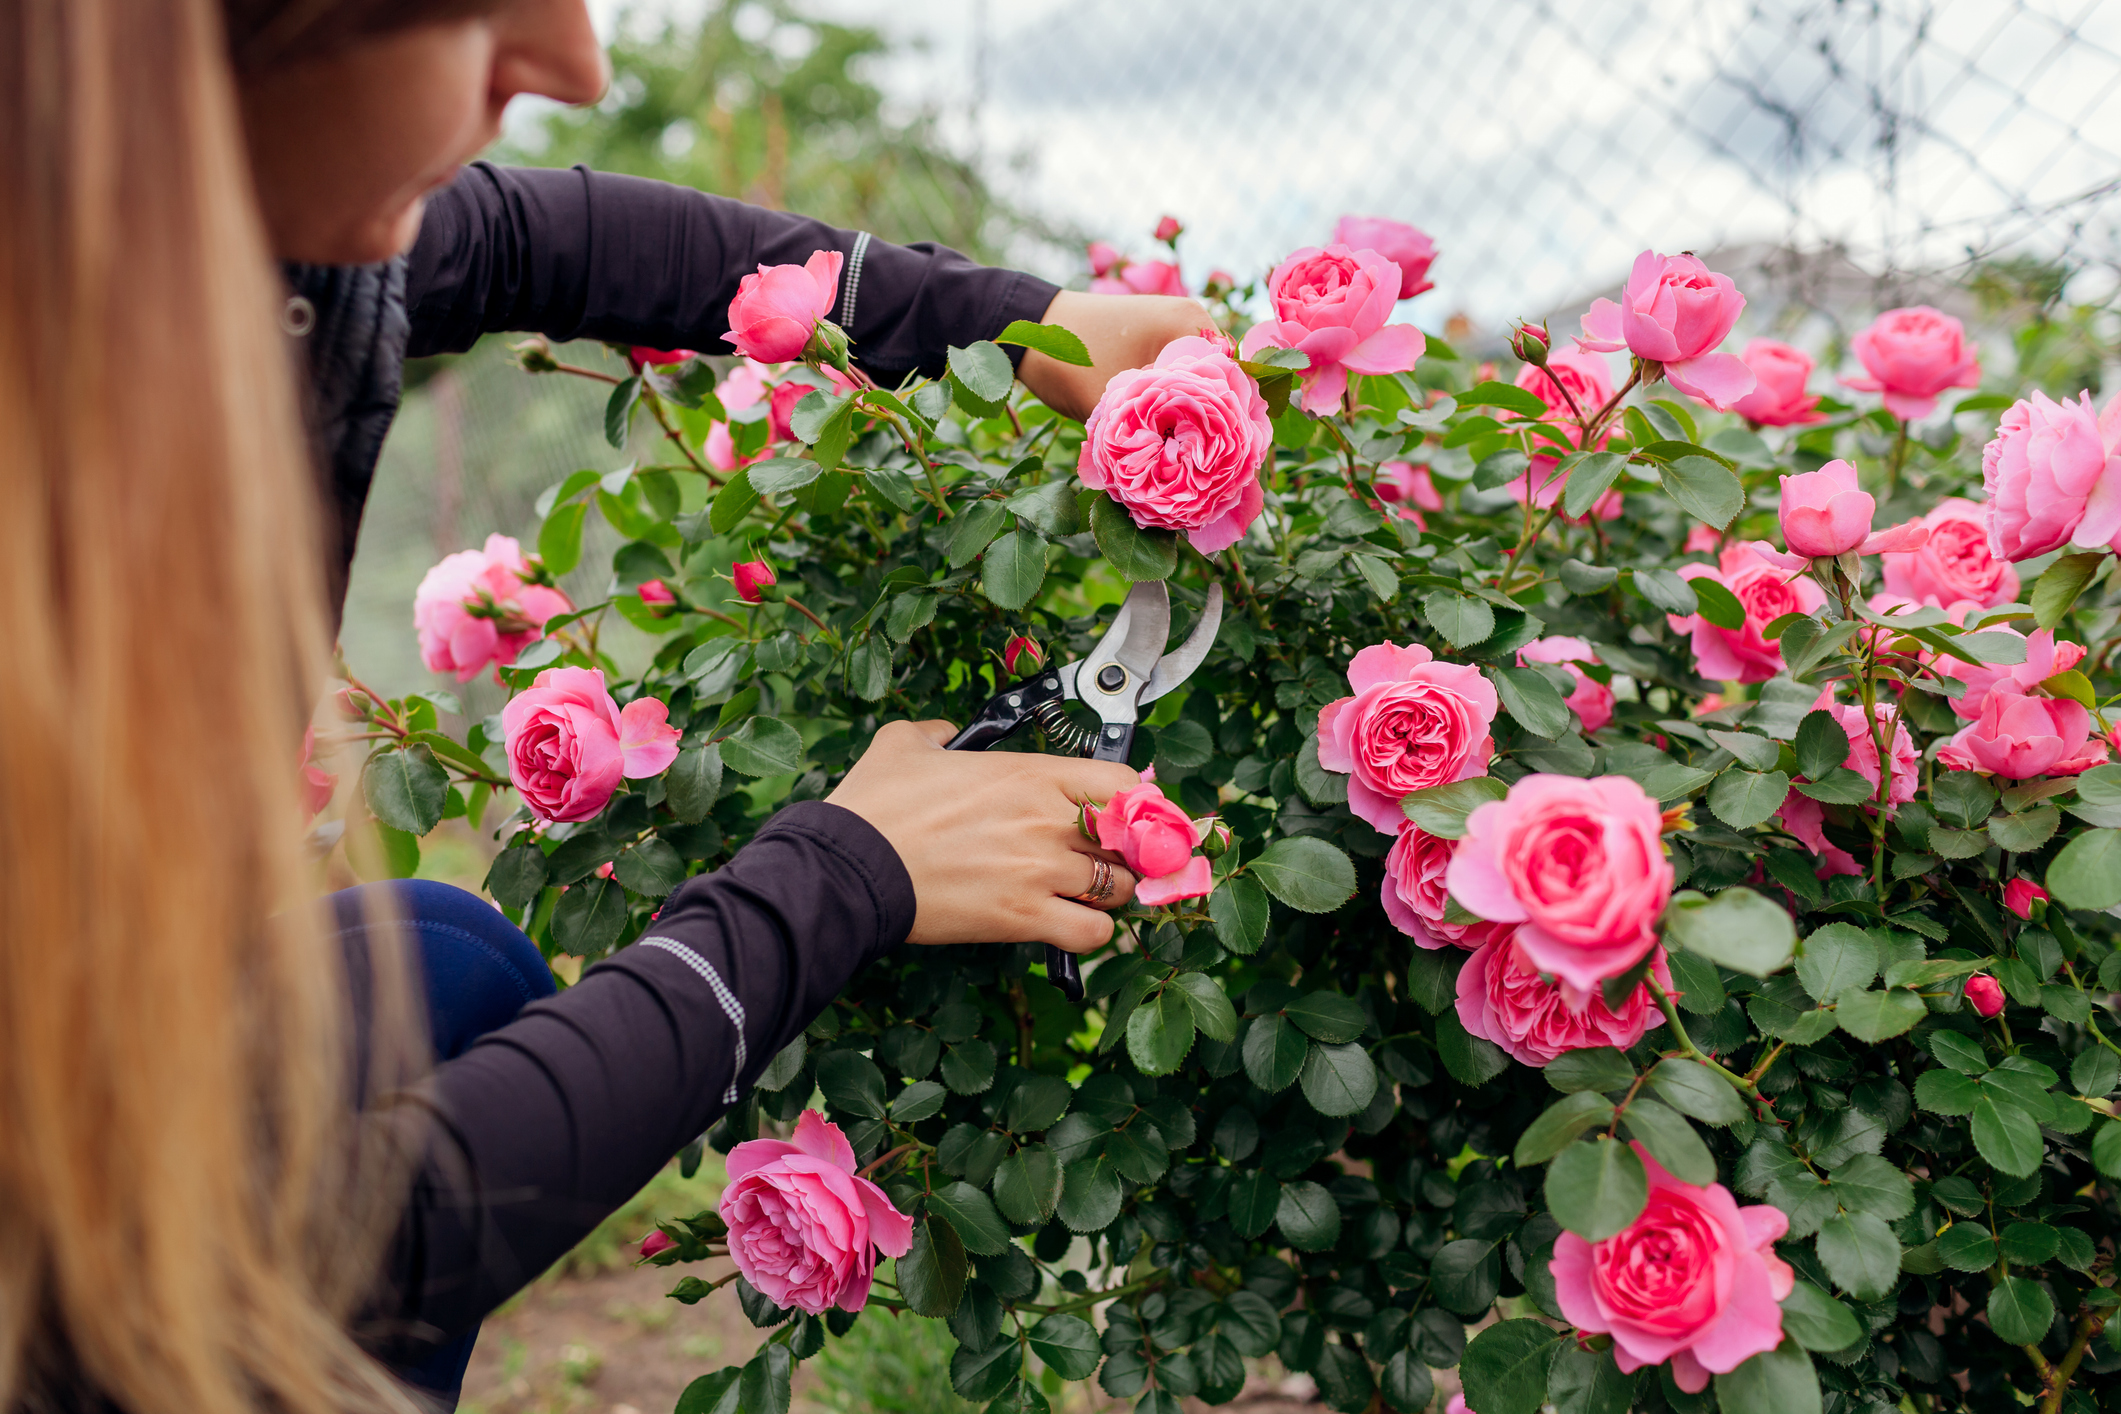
(731, 1007)
(851, 281)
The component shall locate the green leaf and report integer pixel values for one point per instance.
(763, 746)
(1027, 1185)
(2020, 1311)
(2060, 584)
(1308, 1217)
(1051, 506)
(560, 537)
(731, 504)
(1339, 1080)
(1317, 785)
(1861, 1254)
(1406, 1383)
(1013, 570)
(1466, 1276)
(1737, 929)
(777, 476)
(931, 1276)
(588, 917)
(1533, 702)
(1049, 339)
(2027, 830)
(1505, 1367)
(1136, 553)
(972, 529)
(407, 789)
(1693, 1089)
(1870, 1184)
(1442, 810)
(718, 1393)
(1378, 576)
(2005, 1134)
(1595, 1190)
(1471, 1060)
(1593, 1068)
(1666, 590)
(1210, 1005)
(1274, 1053)
(1821, 745)
(869, 667)
(1816, 1320)
(1160, 1033)
(1090, 1194)
(852, 1083)
(618, 409)
(968, 1067)
(1962, 1053)
(1704, 489)
(1670, 1140)
(1306, 873)
(694, 782)
(651, 868)
(984, 1373)
(1503, 395)
(1328, 1016)
(1718, 605)
(1966, 1247)
(2106, 1149)
(1755, 751)
(1068, 1344)
(1743, 799)
(1499, 468)
(767, 1377)
(1255, 1196)
(972, 1213)
(1580, 578)
(1239, 910)
(1781, 1381)
(516, 876)
(1462, 620)
(1583, 1381)
(1590, 479)
(2087, 873)
(1563, 1122)
(2028, 1244)
(1879, 1016)
(984, 369)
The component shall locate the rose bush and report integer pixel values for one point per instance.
(1684, 956)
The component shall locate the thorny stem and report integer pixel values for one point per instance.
(796, 604)
(1598, 418)
(1761, 1069)
(662, 417)
(884, 1158)
(2058, 1377)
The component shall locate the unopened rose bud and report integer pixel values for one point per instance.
(1168, 229)
(1102, 257)
(640, 358)
(656, 1243)
(1086, 820)
(1984, 993)
(753, 578)
(1024, 651)
(1220, 283)
(656, 594)
(1215, 843)
(535, 355)
(828, 345)
(1530, 343)
(2020, 894)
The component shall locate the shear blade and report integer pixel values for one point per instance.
(1178, 665)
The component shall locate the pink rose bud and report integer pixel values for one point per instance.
(1331, 305)
(1579, 865)
(659, 358)
(1778, 398)
(1140, 277)
(804, 1228)
(1675, 311)
(777, 309)
(1412, 723)
(1530, 344)
(1502, 998)
(752, 578)
(1168, 229)
(2020, 894)
(1985, 994)
(1196, 397)
(1911, 355)
(1694, 1280)
(1403, 245)
(318, 784)
(657, 1242)
(1024, 651)
(657, 594)
(1220, 282)
(1824, 512)
(1216, 842)
(1102, 257)
(1156, 838)
(479, 606)
(568, 744)
(2053, 477)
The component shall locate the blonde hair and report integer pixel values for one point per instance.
(187, 1212)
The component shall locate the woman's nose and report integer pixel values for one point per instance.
(549, 48)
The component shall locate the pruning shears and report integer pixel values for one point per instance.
(1126, 671)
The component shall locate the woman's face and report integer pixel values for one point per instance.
(346, 148)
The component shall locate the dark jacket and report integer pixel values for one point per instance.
(584, 255)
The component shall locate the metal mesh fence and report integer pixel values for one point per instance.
(1833, 157)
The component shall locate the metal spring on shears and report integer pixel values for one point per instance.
(1063, 733)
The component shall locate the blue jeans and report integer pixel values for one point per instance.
(479, 970)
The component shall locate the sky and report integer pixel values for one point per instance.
(1542, 143)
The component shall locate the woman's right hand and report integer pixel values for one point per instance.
(990, 839)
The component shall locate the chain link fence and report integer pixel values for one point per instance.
(1833, 156)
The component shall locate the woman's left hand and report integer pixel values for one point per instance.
(1120, 331)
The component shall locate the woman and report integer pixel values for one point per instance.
(190, 1218)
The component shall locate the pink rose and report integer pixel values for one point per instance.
(1457, 1405)
(1579, 863)
(1767, 590)
(1590, 385)
(1911, 355)
(1103, 257)
(2018, 737)
(478, 607)
(2020, 894)
(1022, 650)
(2053, 477)
(1693, 1280)
(1675, 311)
(1955, 563)
(1985, 994)
(318, 784)
(656, 594)
(1702, 540)
(1408, 248)
(777, 308)
(1156, 838)
(1824, 512)
(1412, 723)
(1332, 305)
(1180, 444)
(2044, 658)
(1415, 898)
(1168, 229)
(752, 576)
(656, 1243)
(568, 743)
(640, 358)
(1502, 998)
(1407, 485)
(1592, 701)
(1140, 277)
(1778, 398)
(804, 1227)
